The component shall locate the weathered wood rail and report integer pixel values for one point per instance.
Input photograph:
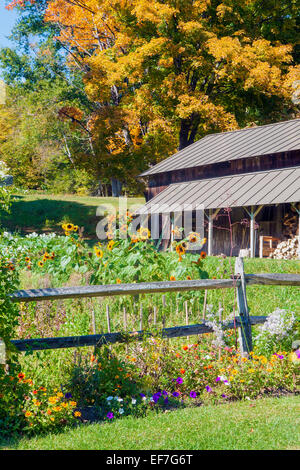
(239, 281)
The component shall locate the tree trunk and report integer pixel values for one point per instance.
(116, 187)
(188, 130)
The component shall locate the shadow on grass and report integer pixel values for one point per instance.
(47, 215)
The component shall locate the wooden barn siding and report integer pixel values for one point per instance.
(159, 182)
(269, 222)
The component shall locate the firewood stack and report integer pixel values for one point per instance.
(288, 249)
(290, 225)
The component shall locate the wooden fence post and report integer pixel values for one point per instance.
(245, 334)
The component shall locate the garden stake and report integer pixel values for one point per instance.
(154, 314)
(125, 325)
(204, 304)
(141, 317)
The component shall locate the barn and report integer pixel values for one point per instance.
(248, 182)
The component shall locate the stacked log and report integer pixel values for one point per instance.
(287, 249)
(290, 225)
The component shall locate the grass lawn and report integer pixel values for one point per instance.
(42, 212)
(264, 424)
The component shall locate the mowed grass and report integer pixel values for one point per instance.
(42, 212)
(264, 424)
(262, 300)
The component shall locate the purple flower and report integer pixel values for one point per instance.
(297, 352)
(175, 394)
(110, 415)
(278, 355)
(224, 396)
(218, 379)
(166, 401)
(179, 380)
(165, 393)
(208, 388)
(156, 397)
(142, 395)
(193, 394)
(68, 396)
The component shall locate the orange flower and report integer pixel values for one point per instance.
(203, 255)
(118, 281)
(21, 376)
(172, 278)
(185, 348)
(188, 278)
(182, 371)
(180, 249)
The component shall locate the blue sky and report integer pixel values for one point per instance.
(7, 20)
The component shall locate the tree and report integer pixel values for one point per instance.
(162, 74)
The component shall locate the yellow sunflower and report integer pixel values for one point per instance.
(144, 233)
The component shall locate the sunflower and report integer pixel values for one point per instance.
(27, 259)
(144, 233)
(110, 245)
(180, 249)
(193, 237)
(40, 264)
(69, 227)
(98, 252)
(189, 278)
(75, 228)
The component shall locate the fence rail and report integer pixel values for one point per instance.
(33, 295)
(239, 281)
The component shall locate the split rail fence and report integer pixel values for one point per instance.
(239, 282)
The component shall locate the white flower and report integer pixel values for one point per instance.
(121, 411)
(133, 401)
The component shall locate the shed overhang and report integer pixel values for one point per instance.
(248, 189)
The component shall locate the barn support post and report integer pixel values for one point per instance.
(298, 212)
(211, 217)
(172, 230)
(252, 214)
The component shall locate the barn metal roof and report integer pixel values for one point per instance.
(247, 189)
(226, 146)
